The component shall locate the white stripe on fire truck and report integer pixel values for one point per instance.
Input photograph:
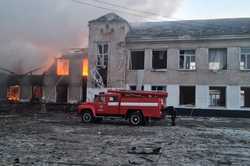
(139, 104)
(133, 104)
(113, 103)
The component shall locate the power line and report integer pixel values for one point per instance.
(134, 12)
(110, 9)
(126, 8)
(144, 14)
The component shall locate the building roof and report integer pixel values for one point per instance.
(109, 18)
(190, 29)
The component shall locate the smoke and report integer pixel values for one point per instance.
(33, 33)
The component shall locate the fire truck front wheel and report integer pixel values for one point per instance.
(135, 119)
(87, 117)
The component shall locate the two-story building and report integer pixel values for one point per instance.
(201, 63)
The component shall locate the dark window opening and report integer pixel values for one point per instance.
(137, 60)
(245, 97)
(37, 93)
(217, 96)
(158, 88)
(62, 94)
(134, 87)
(187, 95)
(102, 63)
(159, 59)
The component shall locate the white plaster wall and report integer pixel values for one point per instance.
(173, 95)
(233, 97)
(147, 87)
(202, 96)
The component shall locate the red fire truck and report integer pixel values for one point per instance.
(137, 106)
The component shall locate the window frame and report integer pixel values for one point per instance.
(209, 49)
(246, 55)
(103, 55)
(221, 94)
(185, 60)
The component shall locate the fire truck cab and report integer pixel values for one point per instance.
(136, 106)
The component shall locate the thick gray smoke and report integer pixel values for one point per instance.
(33, 32)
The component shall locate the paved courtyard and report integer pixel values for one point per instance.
(57, 138)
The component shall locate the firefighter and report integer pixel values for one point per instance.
(172, 112)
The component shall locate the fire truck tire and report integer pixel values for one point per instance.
(87, 117)
(136, 118)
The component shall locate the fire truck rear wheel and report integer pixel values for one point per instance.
(87, 117)
(135, 119)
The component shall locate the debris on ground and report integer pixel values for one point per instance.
(59, 138)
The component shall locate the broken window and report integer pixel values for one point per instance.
(245, 96)
(187, 95)
(217, 59)
(245, 59)
(187, 60)
(62, 67)
(102, 54)
(62, 94)
(102, 62)
(137, 60)
(158, 88)
(159, 59)
(217, 96)
(13, 93)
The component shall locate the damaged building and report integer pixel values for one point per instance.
(202, 64)
(66, 79)
(63, 83)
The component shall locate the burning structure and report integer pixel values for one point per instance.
(63, 82)
(22, 88)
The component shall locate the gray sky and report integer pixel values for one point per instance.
(33, 32)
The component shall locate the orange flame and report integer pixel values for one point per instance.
(13, 93)
(85, 67)
(62, 67)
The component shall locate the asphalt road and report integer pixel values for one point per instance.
(57, 138)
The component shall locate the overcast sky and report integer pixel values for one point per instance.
(32, 32)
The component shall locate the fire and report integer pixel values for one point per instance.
(85, 67)
(62, 67)
(13, 93)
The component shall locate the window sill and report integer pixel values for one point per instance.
(217, 107)
(215, 71)
(187, 70)
(245, 70)
(159, 70)
(187, 106)
(131, 70)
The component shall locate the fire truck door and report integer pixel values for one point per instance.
(100, 100)
(113, 105)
